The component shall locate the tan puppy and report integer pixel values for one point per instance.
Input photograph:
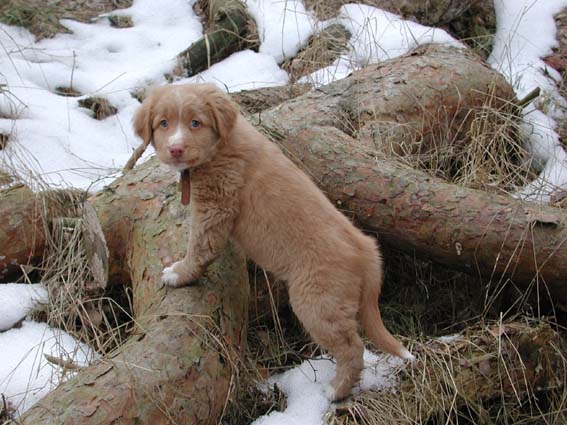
(244, 188)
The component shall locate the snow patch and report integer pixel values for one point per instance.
(17, 300)
(377, 36)
(25, 374)
(262, 71)
(306, 387)
(283, 26)
(517, 52)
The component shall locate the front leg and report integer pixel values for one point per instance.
(209, 233)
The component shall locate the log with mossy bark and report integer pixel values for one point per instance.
(230, 30)
(179, 365)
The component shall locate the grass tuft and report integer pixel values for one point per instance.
(483, 150)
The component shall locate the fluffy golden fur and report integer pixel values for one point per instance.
(244, 188)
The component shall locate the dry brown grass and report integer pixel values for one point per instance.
(75, 271)
(487, 375)
(483, 151)
(41, 17)
(75, 263)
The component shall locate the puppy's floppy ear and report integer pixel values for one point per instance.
(143, 121)
(223, 110)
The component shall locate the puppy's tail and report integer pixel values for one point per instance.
(371, 318)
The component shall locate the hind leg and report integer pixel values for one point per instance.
(349, 356)
(334, 327)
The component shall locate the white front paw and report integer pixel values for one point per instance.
(169, 277)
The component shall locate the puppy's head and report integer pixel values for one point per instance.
(186, 124)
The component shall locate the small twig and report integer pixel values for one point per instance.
(529, 98)
(138, 152)
(65, 364)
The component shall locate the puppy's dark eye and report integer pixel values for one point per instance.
(163, 123)
(195, 124)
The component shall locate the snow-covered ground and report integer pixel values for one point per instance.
(305, 385)
(53, 137)
(526, 34)
(25, 373)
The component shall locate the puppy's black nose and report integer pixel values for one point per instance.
(176, 151)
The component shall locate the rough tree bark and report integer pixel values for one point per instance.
(178, 365)
(493, 235)
(428, 12)
(465, 229)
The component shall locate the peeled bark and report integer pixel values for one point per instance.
(178, 365)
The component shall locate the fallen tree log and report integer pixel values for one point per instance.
(495, 236)
(258, 100)
(430, 12)
(414, 104)
(179, 364)
(491, 235)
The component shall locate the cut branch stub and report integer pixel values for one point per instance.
(22, 234)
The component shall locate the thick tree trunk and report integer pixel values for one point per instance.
(179, 364)
(424, 101)
(493, 235)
